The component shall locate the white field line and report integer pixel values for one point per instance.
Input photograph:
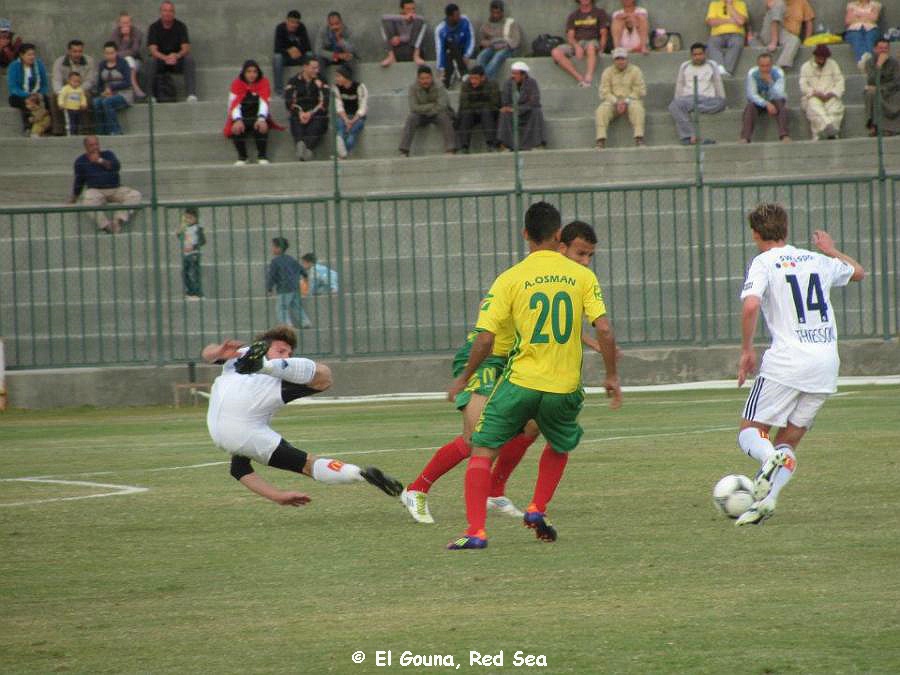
(117, 490)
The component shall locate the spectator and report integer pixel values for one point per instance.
(170, 50)
(765, 93)
(335, 47)
(631, 27)
(351, 103)
(727, 21)
(249, 112)
(861, 20)
(498, 38)
(97, 174)
(621, 89)
(403, 34)
(191, 238)
(284, 278)
(72, 101)
(73, 60)
(885, 68)
(25, 77)
(306, 99)
(454, 44)
(587, 31)
(479, 103)
(292, 46)
(783, 24)
(428, 104)
(10, 44)
(322, 279)
(822, 86)
(521, 91)
(113, 90)
(710, 93)
(128, 40)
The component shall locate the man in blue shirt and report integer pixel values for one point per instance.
(97, 175)
(454, 43)
(765, 93)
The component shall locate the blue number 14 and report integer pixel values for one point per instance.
(815, 298)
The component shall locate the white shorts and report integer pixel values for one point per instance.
(777, 405)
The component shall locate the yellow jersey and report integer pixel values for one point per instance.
(544, 298)
(718, 10)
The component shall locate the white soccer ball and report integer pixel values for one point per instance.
(733, 495)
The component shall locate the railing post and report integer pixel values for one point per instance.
(882, 211)
(337, 202)
(155, 237)
(517, 159)
(701, 220)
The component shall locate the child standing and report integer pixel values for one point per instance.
(72, 101)
(192, 238)
(284, 277)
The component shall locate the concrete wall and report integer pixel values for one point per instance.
(105, 387)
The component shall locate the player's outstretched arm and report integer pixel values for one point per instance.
(749, 316)
(221, 352)
(607, 342)
(481, 349)
(823, 241)
(255, 483)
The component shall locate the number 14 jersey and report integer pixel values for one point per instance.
(793, 286)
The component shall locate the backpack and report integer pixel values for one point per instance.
(544, 44)
(164, 88)
(201, 237)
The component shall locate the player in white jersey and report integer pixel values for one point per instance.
(255, 383)
(799, 370)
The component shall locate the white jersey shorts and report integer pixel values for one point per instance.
(777, 404)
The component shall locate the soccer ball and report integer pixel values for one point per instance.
(733, 495)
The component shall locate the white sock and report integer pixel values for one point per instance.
(784, 473)
(754, 443)
(296, 370)
(334, 472)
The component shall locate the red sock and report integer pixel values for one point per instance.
(478, 484)
(443, 460)
(550, 471)
(510, 456)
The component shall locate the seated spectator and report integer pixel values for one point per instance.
(765, 88)
(335, 47)
(351, 102)
(403, 34)
(622, 87)
(284, 278)
(25, 77)
(479, 103)
(587, 31)
(97, 174)
(498, 38)
(73, 102)
(249, 112)
(112, 91)
(885, 68)
(38, 116)
(783, 24)
(454, 44)
(710, 93)
(128, 39)
(170, 50)
(631, 27)
(861, 20)
(292, 46)
(428, 104)
(73, 60)
(822, 86)
(10, 44)
(521, 91)
(322, 279)
(727, 21)
(306, 99)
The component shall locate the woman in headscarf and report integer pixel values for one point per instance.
(248, 112)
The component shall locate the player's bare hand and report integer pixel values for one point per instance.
(746, 367)
(229, 349)
(823, 241)
(293, 499)
(613, 391)
(453, 390)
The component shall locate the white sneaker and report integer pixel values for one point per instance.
(191, 99)
(504, 505)
(762, 484)
(262, 160)
(758, 513)
(341, 147)
(241, 162)
(417, 504)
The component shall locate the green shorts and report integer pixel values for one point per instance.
(482, 382)
(511, 406)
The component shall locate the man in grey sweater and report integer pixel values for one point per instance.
(498, 38)
(428, 104)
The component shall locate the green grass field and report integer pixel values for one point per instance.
(198, 575)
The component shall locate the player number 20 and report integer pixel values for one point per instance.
(560, 312)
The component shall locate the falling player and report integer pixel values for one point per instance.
(577, 242)
(255, 383)
(545, 297)
(799, 370)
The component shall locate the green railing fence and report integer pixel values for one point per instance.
(413, 267)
